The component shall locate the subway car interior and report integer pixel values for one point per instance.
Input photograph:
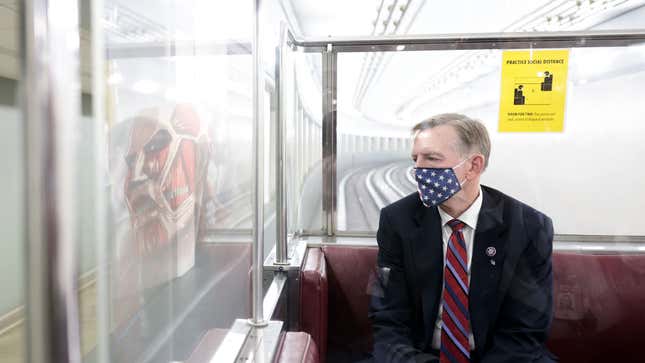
(202, 181)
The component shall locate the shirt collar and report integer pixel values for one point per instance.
(469, 216)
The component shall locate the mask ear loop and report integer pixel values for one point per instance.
(458, 165)
(463, 161)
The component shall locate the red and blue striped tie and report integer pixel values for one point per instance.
(455, 319)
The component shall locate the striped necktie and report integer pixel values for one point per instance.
(455, 319)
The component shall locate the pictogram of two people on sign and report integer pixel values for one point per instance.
(545, 86)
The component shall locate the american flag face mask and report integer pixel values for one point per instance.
(436, 185)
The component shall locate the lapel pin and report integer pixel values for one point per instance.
(491, 251)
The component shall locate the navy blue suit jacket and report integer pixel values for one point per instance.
(510, 294)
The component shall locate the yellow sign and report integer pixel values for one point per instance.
(534, 85)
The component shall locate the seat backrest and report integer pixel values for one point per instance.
(599, 304)
(599, 307)
(349, 270)
(314, 299)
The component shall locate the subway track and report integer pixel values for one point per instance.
(363, 191)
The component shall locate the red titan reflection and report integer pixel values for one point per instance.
(167, 160)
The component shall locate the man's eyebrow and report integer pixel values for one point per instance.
(431, 153)
(428, 153)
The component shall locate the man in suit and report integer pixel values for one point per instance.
(464, 270)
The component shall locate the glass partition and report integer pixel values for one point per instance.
(293, 92)
(174, 123)
(551, 171)
(177, 83)
(304, 143)
(12, 210)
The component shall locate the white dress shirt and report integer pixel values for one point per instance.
(469, 217)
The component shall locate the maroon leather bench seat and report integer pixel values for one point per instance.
(599, 303)
(313, 304)
(334, 301)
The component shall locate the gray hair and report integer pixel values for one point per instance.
(473, 136)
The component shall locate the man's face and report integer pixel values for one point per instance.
(436, 148)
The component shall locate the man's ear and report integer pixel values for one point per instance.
(477, 164)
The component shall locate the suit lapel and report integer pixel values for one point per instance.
(427, 251)
(487, 262)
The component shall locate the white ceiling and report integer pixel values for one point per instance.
(335, 17)
(396, 79)
(396, 76)
(399, 78)
(352, 18)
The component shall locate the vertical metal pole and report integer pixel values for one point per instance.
(309, 143)
(281, 257)
(329, 139)
(301, 173)
(257, 318)
(50, 98)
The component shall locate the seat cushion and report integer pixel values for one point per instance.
(297, 347)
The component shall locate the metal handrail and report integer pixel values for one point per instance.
(566, 39)
(51, 94)
(257, 317)
(281, 257)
